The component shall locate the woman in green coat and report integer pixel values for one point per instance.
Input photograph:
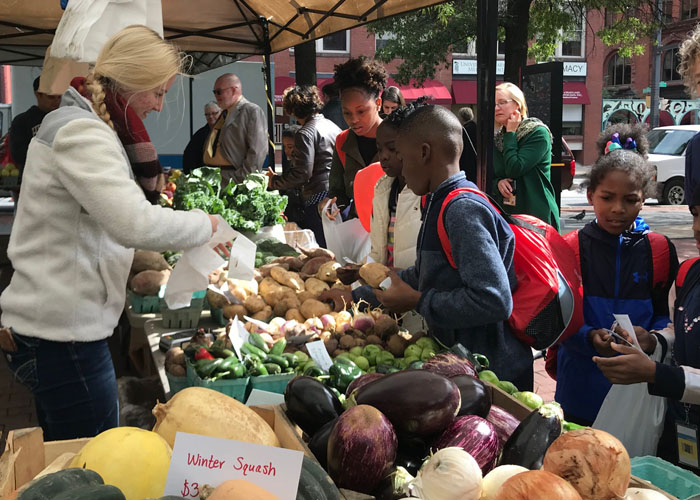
(522, 158)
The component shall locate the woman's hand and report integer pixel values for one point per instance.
(505, 188)
(513, 121)
(330, 213)
(400, 297)
(214, 223)
(270, 175)
(631, 367)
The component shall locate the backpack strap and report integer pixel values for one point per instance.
(339, 142)
(683, 287)
(660, 258)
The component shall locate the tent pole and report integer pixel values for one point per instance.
(487, 22)
(267, 72)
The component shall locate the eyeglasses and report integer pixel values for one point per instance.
(500, 104)
(220, 91)
(215, 113)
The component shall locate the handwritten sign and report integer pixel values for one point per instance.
(203, 460)
(317, 351)
(238, 335)
(241, 264)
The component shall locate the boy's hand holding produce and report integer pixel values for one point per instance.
(601, 341)
(400, 297)
(631, 367)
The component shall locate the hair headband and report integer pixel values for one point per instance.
(614, 143)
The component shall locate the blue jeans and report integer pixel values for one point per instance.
(73, 383)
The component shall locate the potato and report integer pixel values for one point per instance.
(216, 300)
(338, 352)
(347, 342)
(175, 355)
(278, 295)
(304, 296)
(233, 310)
(265, 270)
(341, 286)
(267, 285)
(311, 266)
(360, 342)
(317, 252)
(327, 272)
(280, 308)
(313, 308)
(257, 276)
(374, 273)
(373, 339)
(263, 315)
(145, 260)
(315, 286)
(331, 345)
(254, 304)
(287, 278)
(294, 314)
(396, 345)
(294, 263)
(241, 289)
(148, 283)
(176, 370)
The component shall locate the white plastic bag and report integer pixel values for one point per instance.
(633, 416)
(348, 240)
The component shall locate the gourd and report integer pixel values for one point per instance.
(315, 483)
(67, 480)
(96, 492)
(134, 460)
(236, 489)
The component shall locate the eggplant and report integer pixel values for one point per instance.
(310, 404)
(412, 452)
(417, 402)
(476, 398)
(319, 443)
(504, 423)
(531, 439)
(394, 485)
(449, 365)
(362, 380)
(361, 449)
(476, 436)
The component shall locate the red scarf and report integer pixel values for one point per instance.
(133, 136)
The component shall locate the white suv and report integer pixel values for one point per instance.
(667, 147)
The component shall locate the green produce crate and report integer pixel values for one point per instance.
(143, 305)
(271, 383)
(237, 388)
(9, 180)
(191, 375)
(177, 383)
(217, 314)
(187, 317)
(678, 482)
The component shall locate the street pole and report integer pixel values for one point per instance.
(487, 22)
(655, 72)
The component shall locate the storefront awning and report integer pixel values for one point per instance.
(576, 93)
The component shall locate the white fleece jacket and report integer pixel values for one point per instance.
(406, 229)
(80, 216)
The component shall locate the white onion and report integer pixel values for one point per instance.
(643, 494)
(593, 461)
(450, 474)
(495, 479)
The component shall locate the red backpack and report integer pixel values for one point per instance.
(547, 307)
(660, 269)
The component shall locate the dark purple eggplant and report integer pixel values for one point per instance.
(531, 439)
(319, 443)
(394, 484)
(362, 380)
(310, 404)
(450, 365)
(361, 449)
(476, 398)
(504, 423)
(474, 435)
(412, 452)
(417, 402)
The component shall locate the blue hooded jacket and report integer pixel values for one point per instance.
(616, 273)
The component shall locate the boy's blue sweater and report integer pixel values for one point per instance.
(471, 303)
(616, 272)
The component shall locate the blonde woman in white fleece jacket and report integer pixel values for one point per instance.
(73, 237)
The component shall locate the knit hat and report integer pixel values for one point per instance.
(694, 200)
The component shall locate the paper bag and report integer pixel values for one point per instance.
(57, 73)
(348, 240)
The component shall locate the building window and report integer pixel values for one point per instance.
(572, 44)
(380, 42)
(667, 11)
(669, 65)
(610, 18)
(689, 9)
(337, 42)
(618, 71)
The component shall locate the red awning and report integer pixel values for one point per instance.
(282, 83)
(464, 91)
(439, 93)
(576, 93)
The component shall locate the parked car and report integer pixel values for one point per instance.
(568, 171)
(667, 146)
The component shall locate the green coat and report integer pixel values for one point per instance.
(528, 163)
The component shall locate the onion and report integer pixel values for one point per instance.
(450, 474)
(495, 479)
(314, 323)
(328, 323)
(644, 494)
(276, 325)
(537, 484)
(362, 321)
(287, 326)
(343, 321)
(593, 461)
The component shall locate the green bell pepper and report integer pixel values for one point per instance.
(205, 367)
(342, 372)
(313, 371)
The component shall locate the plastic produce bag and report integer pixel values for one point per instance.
(348, 240)
(633, 416)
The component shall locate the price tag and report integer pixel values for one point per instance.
(258, 397)
(241, 264)
(317, 351)
(203, 460)
(238, 335)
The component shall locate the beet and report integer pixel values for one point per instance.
(449, 365)
(361, 449)
(474, 435)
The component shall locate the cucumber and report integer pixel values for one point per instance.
(278, 347)
(278, 360)
(273, 368)
(248, 348)
(257, 341)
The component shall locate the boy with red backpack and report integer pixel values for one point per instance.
(625, 269)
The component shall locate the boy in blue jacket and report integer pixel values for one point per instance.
(469, 304)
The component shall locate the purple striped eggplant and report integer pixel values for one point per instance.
(449, 365)
(361, 449)
(416, 402)
(503, 422)
(476, 398)
(474, 435)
